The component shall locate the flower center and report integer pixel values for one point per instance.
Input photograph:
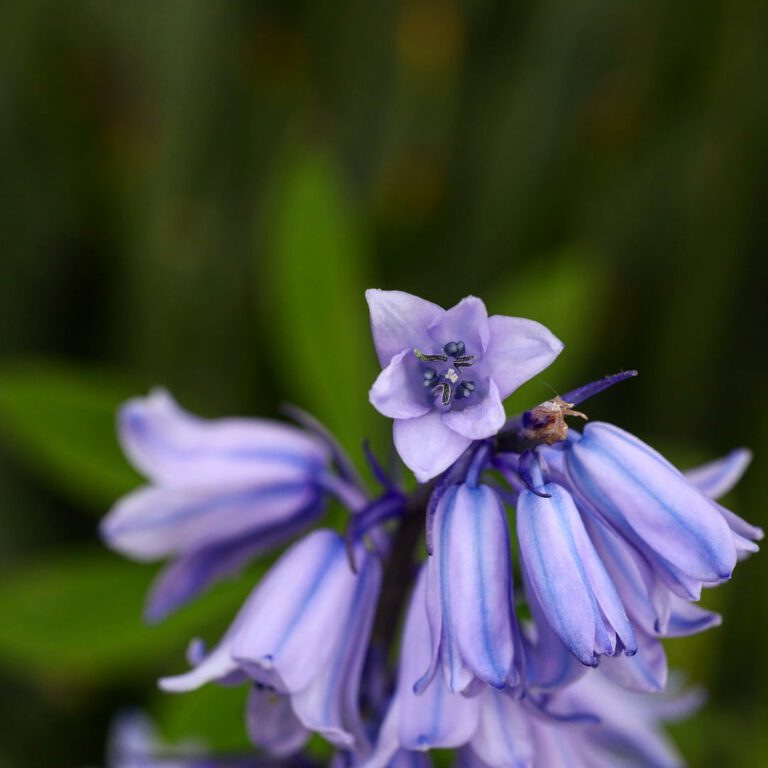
(444, 381)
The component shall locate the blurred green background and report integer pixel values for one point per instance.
(196, 194)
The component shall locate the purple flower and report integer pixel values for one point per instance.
(628, 728)
(470, 604)
(567, 577)
(504, 737)
(135, 743)
(302, 633)
(688, 539)
(221, 492)
(435, 718)
(591, 723)
(446, 373)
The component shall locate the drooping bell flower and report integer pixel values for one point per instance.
(570, 583)
(302, 633)
(686, 537)
(446, 372)
(221, 492)
(469, 593)
(135, 743)
(433, 719)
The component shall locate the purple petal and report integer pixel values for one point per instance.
(399, 321)
(444, 649)
(427, 446)
(291, 627)
(744, 534)
(195, 571)
(629, 722)
(407, 759)
(548, 663)
(477, 422)
(644, 597)
(687, 619)
(718, 477)
(518, 349)
(397, 392)
(173, 448)
(271, 723)
(476, 581)
(436, 718)
(467, 322)
(217, 666)
(503, 738)
(570, 582)
(645, 672)
(330, 705)
(152, 523)
(651, 503)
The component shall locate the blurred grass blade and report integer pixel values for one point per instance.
(77, 618)
(314, 288)
(60, 420)
(213, 710)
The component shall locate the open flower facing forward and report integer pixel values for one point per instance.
(446, 372)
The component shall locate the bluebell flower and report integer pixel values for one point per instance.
(470, 600)
(594, 723)
(688, 540)
(220, 493)
(303, 634)
(569, 580)
(611, 554)
(446, 373)
(135, 743)
(434, 718)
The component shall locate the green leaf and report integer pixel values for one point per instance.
(78, 616)
(314, 290)
(61, 421)
(214, 713)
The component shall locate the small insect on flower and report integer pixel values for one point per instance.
(546, 422)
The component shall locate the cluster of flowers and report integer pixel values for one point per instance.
(542, 654)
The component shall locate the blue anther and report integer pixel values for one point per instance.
(452, 348)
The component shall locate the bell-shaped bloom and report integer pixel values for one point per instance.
(135, 743)
(221, 492)
(446, 372)
(549, 664)
(434, 719)
(628, 730)
(504, 737)
(469, 590)
(271, 722)
(689, 540)
(302, 633)
(570, 583)
(592, 723)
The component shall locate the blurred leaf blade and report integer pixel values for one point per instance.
(315, 285)
(77, 617)
(60, 420)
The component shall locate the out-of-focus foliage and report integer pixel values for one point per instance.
(61, 420)
(196, 193)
